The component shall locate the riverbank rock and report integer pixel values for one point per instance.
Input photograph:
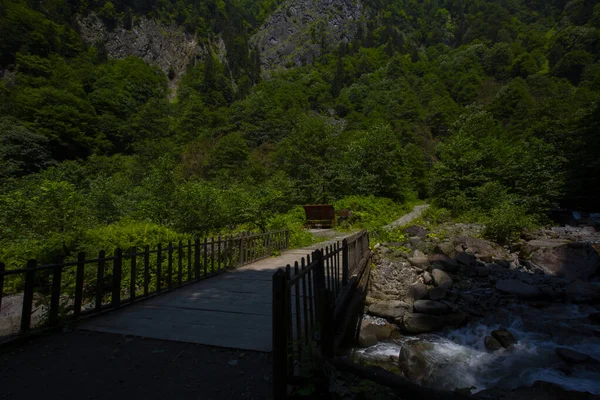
(441, 279)
(583, 292)
(412, 359)
(516, 287)
(431, 307)
(466, 259)
(442, 261)
(571, 356)
(483, 250)
(504, 337)
(373, 330)
(491, 344)
(437, 293)
(422, 323)
(420, 262)
(573, 260)
(390, 309)
(417, 291)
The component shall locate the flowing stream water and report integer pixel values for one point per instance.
(458, 358)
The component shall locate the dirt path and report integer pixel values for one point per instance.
(407, 218)
(91, 365)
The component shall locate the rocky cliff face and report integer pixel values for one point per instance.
(300, 30)
(166, 46)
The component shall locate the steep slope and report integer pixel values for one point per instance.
(301, 30)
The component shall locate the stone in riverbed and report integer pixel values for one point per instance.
(456, 319)
(420, 262)
(422, 323)
(372, 330)
(388, 309)
(417, 291)
(465, 258)
(583, 292)
(431, 307)
(483, 271)
(444, 262)
(441, 279)
(503, 336)
(573, 260)
(412, 360)
(571, 356)
(437, 293)
(516, 287)
(367, 339)
(491, 344)
(427, 278)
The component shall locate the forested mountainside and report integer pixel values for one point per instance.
(132, 121)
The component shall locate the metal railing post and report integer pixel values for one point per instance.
(280, 347)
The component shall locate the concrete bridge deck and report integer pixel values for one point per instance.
(230, 310)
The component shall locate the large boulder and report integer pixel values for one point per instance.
(571, 356)
(583, 292)
(516, 287)
(413, 360)
(417, 291)
(445, 248)
(420, 262)
(484, 250)
(573, 260)
(390, 309)
(373, 330)
(437, 293)
(491, 343)
(444, 262)
(431, 307)
(441, 279)
(466, 259)
(504, 337)
(422, 323)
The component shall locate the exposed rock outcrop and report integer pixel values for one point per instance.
(300, 30)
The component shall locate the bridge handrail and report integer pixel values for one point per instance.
(108, 282)
(314, 304)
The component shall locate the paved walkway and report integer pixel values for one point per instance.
(230, 310)
(407, 218)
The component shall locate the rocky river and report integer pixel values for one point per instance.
(449, 310)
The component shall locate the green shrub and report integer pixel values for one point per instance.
(505, 222)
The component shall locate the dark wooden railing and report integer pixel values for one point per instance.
(57, 293)
(314, 304)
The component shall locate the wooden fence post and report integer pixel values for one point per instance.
(345, 271)
(132, 273)
(99, 280)
(116, 281)
(287, 239)
(79, 285)
(55, 295)
(28, 296)
(324, 310)
(158, 266)
(2, 269)
(197, 258)
(280, 346)
(146, 270)
(241, 262)
(269, 244)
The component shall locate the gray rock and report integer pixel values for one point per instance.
(422, 323)
(415, 230)
(427, 278)
(522, 290)
(431, 307)
(437, 293)
(583, 292)
(388, 309)
(417, 291)
(571, 356)
(412, 359)
(444, 262)
(445, 248)
(483, 271)
(491, 343)
(465, 259)
(484, 250)
(420, 262)
(503, 336)
(456, 319)
(573, 260)
(442, 279)
(366, 339)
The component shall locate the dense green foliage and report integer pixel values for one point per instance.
(488, 107)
